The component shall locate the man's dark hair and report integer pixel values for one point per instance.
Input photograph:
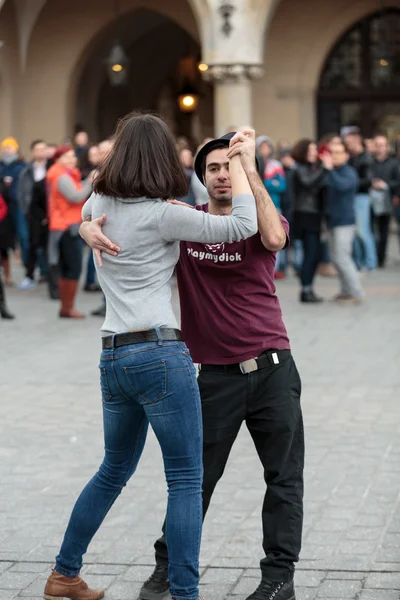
(380, 134)
(143, 162)
(204, 161)
(36, 142)
(300, 150)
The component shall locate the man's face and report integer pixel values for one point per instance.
(339, 155)
(381, 147)
(217, 178)
(81, 139)
(39, 152)
(265, 150)
(50, 151)
(353, 142)
(8, 151)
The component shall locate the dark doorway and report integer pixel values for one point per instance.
(360, 81)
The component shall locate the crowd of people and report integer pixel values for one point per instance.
(338, 194)
(40, 213)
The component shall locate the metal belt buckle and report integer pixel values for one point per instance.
(248, 366)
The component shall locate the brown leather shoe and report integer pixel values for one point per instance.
(59, 587)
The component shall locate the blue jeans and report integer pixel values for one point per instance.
(91, 269)
(281, 261)
(311, 257)
(298, 255)
(146, 383)
(364, 248)
(325, 257)
(22, 231)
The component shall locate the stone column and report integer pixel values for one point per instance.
(232, 94)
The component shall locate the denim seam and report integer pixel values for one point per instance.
(193, 382)
(173, 345)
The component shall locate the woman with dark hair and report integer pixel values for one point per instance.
(66, 193)
(146, 372)
(308, 180)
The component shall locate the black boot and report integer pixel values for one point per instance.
(53, 276)
(157, 585)
(310, 298)
(99, 312)
(273, 590)
(3, 309)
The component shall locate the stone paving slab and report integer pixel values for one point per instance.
(51, 444)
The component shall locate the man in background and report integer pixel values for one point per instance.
(32, 198)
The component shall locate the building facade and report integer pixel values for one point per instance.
(290, 68)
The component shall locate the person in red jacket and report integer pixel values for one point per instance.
(67, 195)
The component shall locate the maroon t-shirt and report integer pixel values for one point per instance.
(229, 309)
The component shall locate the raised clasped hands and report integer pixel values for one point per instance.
(243, 145)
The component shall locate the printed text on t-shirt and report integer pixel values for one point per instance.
(216, 258)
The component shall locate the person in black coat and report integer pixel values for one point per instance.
(308, 181)
(385, 191)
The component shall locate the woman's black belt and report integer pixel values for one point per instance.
(140, 337)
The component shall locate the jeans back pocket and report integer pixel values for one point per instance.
(148, 381)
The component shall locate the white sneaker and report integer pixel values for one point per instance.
(27, 284)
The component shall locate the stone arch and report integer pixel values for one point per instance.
(295, 51)
(143, 34)
(64, 61)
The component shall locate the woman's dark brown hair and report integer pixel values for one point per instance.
(300, 151)
(143, 162)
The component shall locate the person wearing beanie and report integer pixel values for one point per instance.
(11, 167)
(67, 195)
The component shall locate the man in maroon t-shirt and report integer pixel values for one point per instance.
(232, 324)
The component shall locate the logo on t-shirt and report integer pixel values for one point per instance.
(216, 247)
(216, 254)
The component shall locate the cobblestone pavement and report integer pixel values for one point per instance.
(51, 443)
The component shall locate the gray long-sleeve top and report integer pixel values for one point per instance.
(136, 283)
(66, 186)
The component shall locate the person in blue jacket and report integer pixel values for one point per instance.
(342, 183)
(11, 167)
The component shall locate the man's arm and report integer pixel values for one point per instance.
(272, 233)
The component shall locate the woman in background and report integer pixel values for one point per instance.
(67, 194)
(308, 180)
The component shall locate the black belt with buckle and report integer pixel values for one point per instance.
(140, 337)
(267, 358)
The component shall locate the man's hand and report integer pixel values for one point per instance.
(396, 201)
(179, 203)
(243, 144)
(379, 184)
(91, 232)
(327, 161)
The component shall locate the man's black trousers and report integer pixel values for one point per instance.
(268, 401)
